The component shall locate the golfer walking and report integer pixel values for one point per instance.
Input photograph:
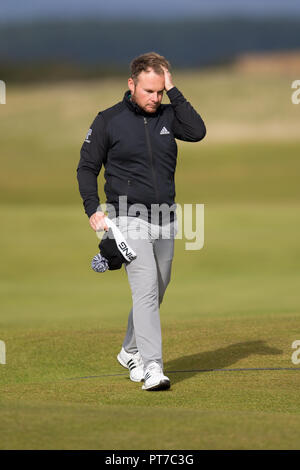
(135, 142)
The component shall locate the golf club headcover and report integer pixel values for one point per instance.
(114, 250)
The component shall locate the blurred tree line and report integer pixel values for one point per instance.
(52, 50)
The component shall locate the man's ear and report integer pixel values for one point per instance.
(131, 85)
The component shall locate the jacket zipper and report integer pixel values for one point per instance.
(151, 157)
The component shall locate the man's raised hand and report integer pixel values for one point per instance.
(168, 79)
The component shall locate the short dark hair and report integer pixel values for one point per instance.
(144, 62)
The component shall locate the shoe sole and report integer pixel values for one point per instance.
(162, 385)
(123, 364)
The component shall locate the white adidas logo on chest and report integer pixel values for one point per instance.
(164, 131)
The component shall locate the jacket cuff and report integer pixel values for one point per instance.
(175, 96)
(92, 209)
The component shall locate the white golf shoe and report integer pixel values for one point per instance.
(134, 363)
(155, 379)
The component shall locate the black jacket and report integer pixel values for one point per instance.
(138, 151)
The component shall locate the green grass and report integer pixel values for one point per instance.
(232, 305)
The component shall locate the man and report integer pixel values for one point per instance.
(135, 141)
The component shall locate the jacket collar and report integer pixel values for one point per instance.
(135, 108)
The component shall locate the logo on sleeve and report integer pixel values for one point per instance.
(164, 131)
(87, 139)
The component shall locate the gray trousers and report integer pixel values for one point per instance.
(149, 275)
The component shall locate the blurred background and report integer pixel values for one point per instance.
(70, 40)
(64, 61)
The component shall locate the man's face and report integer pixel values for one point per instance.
(148, 90)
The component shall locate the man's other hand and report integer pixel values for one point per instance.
(168, 79)
(97, 221)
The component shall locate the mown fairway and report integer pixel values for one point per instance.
(232, 305)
